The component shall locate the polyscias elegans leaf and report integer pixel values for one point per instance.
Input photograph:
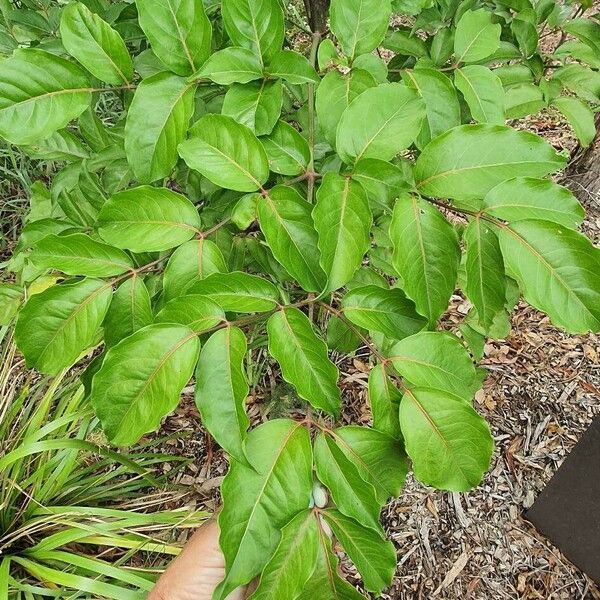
(148, 219)
(221, 390)
(259, 500)
(303, 359)
(57, 325)
(141, 378)
(78, 254)
(343, 222)
(449, 444)
(227, 153)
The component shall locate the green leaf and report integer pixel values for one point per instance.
(179, 32)
(483, 93)
(147, 219)
(437, 360)
(522, 100)
(426, 254)
(558, 271)
(334, 94)
(581, 80)
(438, 93)
(227, 153)
(476, 36)
(303, 358)
(387, 311)
(11, 296)
(353, 496)
(580, 117)
(343, 222)
(78, 254)
(287, 151)
(230, 65)
(259, 501)
(359, 25)
(130, 309)
(384, 399)
(524, 29)
(141, 379)
(470, 160)
(222, 388)
(95, 44)
(374, 556)
(57, 325)
(486, 283)
(191, 262)
(587, 31)
(363, 132)
(449, 444)
(61, 145)
(254, 24)
(156, 123)
(256, 105)
(197, 312)
(293, 562)
(340, 336)
(529, 198)
(238, 292)
(293, 67)
(404, 42)
(379, 458)
(54, 92)
(286, 222)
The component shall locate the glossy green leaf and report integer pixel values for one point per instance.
(230, 65)
(227, 153)
(130, 309)
(340, 336)
(53, 93)
(359, 25)
(11, 297)
(352, 495)
(379, 458)
(529, 198)
(471, 159)
(259, 501)
(374, 557)
(141, 379)
(191, 262)
(78, 254)
(197, 312)
(57, 325)
(384, 399)
(486, 283)
(287, 151)
(558, 271)
(483, 93)
(293, 561)
(95, 44)
(580, 117)
(363, 132)
(426, 254)
(157, 122)
(476, 36)
(179, 32)
(343, 222)
(222, 388)
(286, 222)
(437, 360)
(61, 145)
(302, 356)
(254, 24)
(256, 105)
(238, 292)
(449, 444)
(334, 94)
(387, 311)
(292, 67)
(383, 182)
(522, 100)
(587, 31)
(148, 219)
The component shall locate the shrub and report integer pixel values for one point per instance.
(248, 195)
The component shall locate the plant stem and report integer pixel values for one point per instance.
(310, 172)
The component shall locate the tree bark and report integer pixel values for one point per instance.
(316, 12)
(583, 174)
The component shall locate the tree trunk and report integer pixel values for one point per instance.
(316, 11)
(583, 174)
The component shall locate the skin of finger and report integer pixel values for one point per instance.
(197, 570)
